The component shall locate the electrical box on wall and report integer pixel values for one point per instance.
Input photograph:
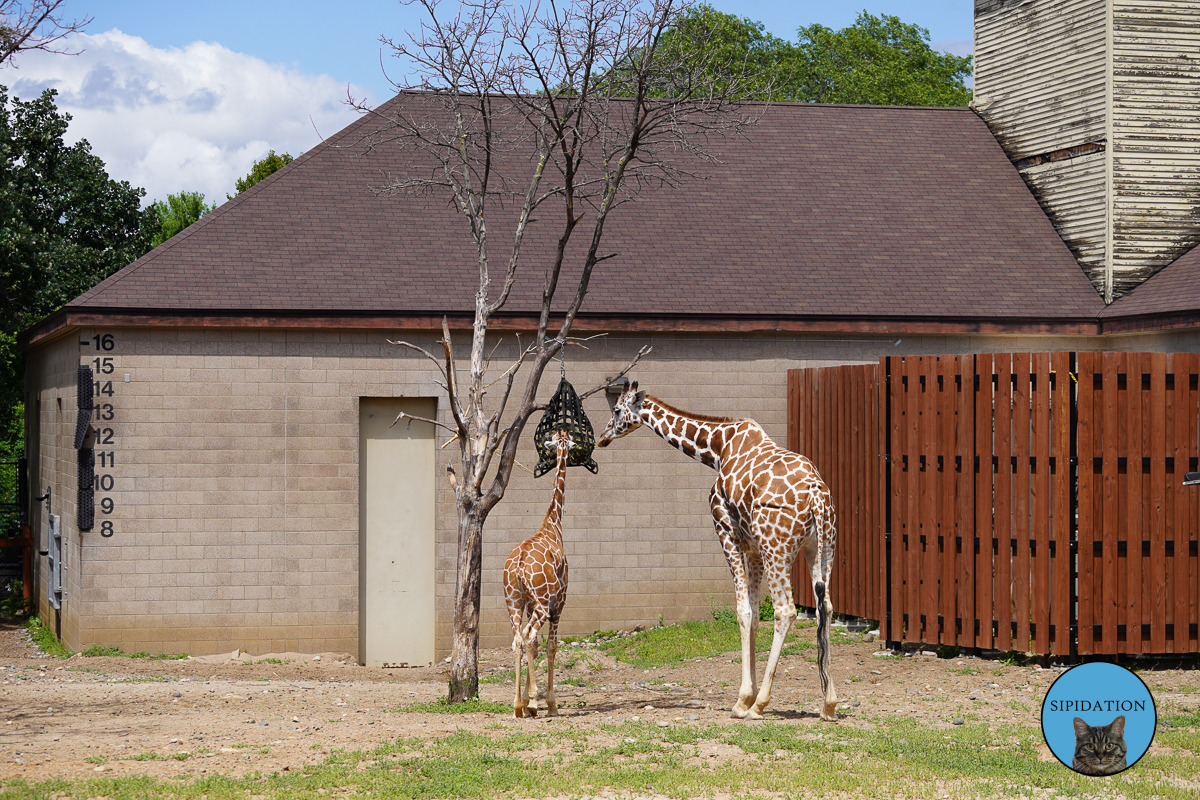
(57, 554)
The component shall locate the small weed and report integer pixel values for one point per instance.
(158, 757)
(96, 760)
(472, 706)
(44, 638)
(275, 661)
(573, 682)
(98, 650)
(965, 671)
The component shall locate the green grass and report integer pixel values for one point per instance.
(964, 671)
(674, 644)
(45, 639)
(98, 650)
(887, 757)
(472, 706)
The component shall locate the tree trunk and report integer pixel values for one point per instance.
(464, 663)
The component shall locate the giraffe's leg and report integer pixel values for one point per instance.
(817, 547)
(531, 650)
(724, 523)
(537, 616)
(515, 603)
(748, 622)
(518, 647)
(779, 585)
(819, 555)
(551, 651)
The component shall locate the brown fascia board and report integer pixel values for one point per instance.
(1151, 323)
(63, 321)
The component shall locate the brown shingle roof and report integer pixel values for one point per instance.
(817, 211)
(1175, 289)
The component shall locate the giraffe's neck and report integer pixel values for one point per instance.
(553, 521)
(697, 437)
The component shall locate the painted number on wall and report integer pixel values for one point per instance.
(104, 411)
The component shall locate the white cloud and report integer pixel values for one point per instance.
(192, 118)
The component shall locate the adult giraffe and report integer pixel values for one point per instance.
(768, 504)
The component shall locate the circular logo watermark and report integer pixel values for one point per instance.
(1098, 719)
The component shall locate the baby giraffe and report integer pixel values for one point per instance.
(535, 584)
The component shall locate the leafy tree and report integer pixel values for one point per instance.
(64, 225)
(876, 61)
(176, 213)
(731, 48)
(265, 166)
(880, 61)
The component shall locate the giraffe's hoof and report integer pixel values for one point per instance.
(829, 712)
(739, 712)
(518, 712)
(753, 715)
(531, 711)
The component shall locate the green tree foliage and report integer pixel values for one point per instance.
(880, 61)
(876, 61)
(64, 226)
(753, 62)
(176, 213)
(265, 166)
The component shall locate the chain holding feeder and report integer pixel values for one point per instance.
(565, 413)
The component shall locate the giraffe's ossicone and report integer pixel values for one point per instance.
(768, 505)
(535, 588)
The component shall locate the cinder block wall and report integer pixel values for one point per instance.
(235, 469)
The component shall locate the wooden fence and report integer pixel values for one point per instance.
(1005, 497)
(840, 435)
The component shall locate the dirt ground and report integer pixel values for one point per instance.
(237, 713)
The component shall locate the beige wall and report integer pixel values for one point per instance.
(236, 480)
(51, 409)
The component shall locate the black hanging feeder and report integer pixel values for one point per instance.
(565, 412)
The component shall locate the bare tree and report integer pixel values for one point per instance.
(567, 109)
(35, 25)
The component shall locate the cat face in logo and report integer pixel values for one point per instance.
(1099, 749)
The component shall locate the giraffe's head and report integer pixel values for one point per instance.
(626, 417)
(560, 439)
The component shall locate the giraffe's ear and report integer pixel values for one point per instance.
(638, 398)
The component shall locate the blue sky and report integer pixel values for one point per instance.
(176, 96)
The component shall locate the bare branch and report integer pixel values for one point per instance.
(423, 352)
(35, 25)
(645, 349)
(412, 417)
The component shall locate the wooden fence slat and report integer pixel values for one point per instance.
(947, 485)
(1061, 516)
(1002, 499)
(1109, 594)
(1158, 488)
(964, 433)
(1134, 524)
(1086, 511)
(886, 471)
(1039, 555)
(927, 502)
(1192, 507)
(895, 430)
(911, 539)
(984, 500)
(1021, 433)
(1181, 365)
